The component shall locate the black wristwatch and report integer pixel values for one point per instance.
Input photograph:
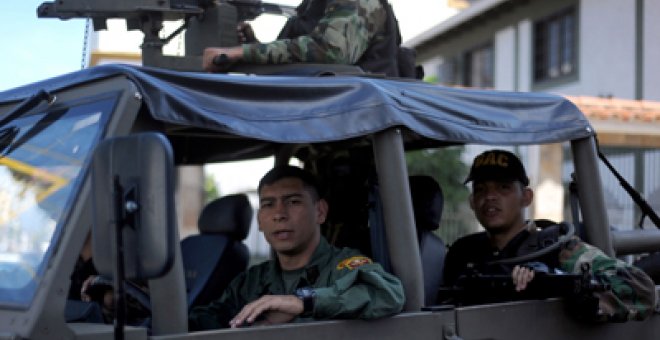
(307, 295)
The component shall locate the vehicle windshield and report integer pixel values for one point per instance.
(40, 169)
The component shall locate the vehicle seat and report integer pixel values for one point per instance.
(428, 202)
(217, 254)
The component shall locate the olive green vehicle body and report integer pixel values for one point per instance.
(132, 112)
(207, 119)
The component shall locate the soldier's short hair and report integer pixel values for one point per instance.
(277, 173)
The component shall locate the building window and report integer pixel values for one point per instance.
(478, 67)
(447, 73)
(554, 46)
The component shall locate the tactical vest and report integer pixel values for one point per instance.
(384, 56)
(549, 234)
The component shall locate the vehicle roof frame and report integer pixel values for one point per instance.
(594, 213)
(388, 145)
(400, 230)
(169, 316)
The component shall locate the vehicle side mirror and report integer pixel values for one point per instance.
(132, 181)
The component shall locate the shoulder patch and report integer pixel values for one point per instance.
(353, 262)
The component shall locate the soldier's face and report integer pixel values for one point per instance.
(499, 205)
(290, 217)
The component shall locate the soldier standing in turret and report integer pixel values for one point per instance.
(352, 32)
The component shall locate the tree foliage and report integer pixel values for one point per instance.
(445, 166)
(210, 188)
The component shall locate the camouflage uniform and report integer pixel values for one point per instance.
(347, 285)
(632, 296)
(342, 35)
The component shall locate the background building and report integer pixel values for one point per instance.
(601, 54)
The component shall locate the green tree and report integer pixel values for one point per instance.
(431, 79)
(210, 188)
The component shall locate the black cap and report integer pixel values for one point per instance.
(499, 165)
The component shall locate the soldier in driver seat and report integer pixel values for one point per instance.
(500, 194)
(307, 279)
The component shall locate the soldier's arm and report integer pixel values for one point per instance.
(633, 293)
(341, 37)
(365, 292)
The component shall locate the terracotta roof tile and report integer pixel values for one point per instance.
(624, 110)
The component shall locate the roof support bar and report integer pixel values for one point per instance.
(398, 214)
(594, 214)
(636, 241)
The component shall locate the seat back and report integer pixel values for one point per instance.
(428, 202)
(217, 254)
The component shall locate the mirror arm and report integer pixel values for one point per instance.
(126, 208)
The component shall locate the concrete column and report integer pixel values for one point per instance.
(189, 198)
(549, 191)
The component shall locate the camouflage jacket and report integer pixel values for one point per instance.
(632, 294)
(342, 35)
(347, 285)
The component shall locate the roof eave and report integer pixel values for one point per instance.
(462, 17)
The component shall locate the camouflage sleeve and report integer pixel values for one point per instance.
(341, 37)
(632, 296)
(362, 290)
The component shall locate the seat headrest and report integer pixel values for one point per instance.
(231, 215)
(427, 200)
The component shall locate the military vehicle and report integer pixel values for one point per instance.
(95, 150)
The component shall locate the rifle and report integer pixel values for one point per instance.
(477, 288)
(206, 22)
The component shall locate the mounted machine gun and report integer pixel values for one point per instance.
(206, 23)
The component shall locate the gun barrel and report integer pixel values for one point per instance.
(48, 10)
(115, 9)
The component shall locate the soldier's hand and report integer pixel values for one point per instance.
(521, 277)
(245, 33)
(274, 308)
(232, 54)
(274, 318)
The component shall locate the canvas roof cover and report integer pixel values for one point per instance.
(296, 109)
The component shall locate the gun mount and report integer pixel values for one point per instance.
(206, 23)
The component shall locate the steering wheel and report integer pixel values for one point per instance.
(568, 231)
(101, 284)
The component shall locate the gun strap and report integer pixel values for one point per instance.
(535, 247)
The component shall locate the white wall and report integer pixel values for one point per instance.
(607, 48)
(118, 39)
(432, 67)
(651, 50)
(505, 59)
(606, 52)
